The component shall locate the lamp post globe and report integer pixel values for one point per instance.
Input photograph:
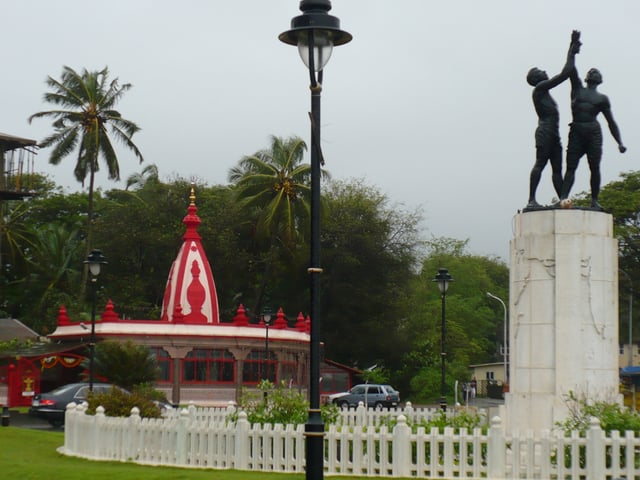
(443, 279)
(315, 33)
(94, 260)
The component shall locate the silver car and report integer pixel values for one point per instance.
(369, 394)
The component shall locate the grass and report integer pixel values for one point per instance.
(31, 455)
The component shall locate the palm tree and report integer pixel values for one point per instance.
(274, 183)
(87, 102)
(149, 174)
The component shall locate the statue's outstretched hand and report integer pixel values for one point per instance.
(575, 42)
(622, 148)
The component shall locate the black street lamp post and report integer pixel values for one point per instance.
(315, 33)
(95, 260)
(266, 318)
(443, 279)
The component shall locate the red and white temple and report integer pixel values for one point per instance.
(202, 359)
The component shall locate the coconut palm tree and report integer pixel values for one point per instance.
(87, 100)
(275, 185)
(149, 174)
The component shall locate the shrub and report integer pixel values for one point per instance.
(612, 415)
(281, 405)
(118, 403)
(461, 419)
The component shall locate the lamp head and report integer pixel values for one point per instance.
(315, 33)
(266, 316)
(95, 260)
(443, 278)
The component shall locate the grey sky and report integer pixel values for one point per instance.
(429, 101)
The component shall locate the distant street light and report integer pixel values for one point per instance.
(505, 340)
(95, 260)
(443, 279)
(630, 316)
(315, 33)
(266, 319)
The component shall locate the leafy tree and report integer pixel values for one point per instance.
(124, 364)
(139, 180)
(273, 184)
(472, 321)
(140, 232)
(369, 251)
(45, 273)
(87, 101)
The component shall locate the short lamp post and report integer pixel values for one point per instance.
(505, 346)
(443, 279)
(630, 313)
(315, 33)
(95, 260)
(266, 319)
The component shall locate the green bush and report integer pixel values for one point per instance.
(612, 416)
(280, 404)
(118, 403)
(461, 419)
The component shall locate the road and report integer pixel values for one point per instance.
(24, 420)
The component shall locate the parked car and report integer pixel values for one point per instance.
(52, 405)
(370, 394)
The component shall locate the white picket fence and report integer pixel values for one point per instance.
(205, 438)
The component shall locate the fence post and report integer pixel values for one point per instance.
(401, 449)
(595, 453)
(361, 415)
(68, 428)
(181, 438)
(496, 445)
(76, 427)
(98, 421)
(408, 412)
(133, 430)
(241, 454)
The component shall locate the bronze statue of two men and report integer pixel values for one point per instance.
(585, 135)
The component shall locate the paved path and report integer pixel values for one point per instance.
(24, 420)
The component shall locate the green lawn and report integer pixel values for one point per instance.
(31, 455)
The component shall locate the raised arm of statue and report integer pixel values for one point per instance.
(569, 66)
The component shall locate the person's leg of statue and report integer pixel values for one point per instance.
(569, 178)
(556, 169)
(574, 152)
(594, 155)
(594, 165)
(534, 180)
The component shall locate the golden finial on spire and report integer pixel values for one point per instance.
(192, 195)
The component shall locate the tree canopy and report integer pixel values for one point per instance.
(379, 304)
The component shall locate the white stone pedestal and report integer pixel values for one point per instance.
(563, 302)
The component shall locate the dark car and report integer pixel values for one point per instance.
(52, 405)
(369, 394)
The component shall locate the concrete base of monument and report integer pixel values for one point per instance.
(563, 303)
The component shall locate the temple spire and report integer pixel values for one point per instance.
(190, 287)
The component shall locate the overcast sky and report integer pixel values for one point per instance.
(428, 102)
